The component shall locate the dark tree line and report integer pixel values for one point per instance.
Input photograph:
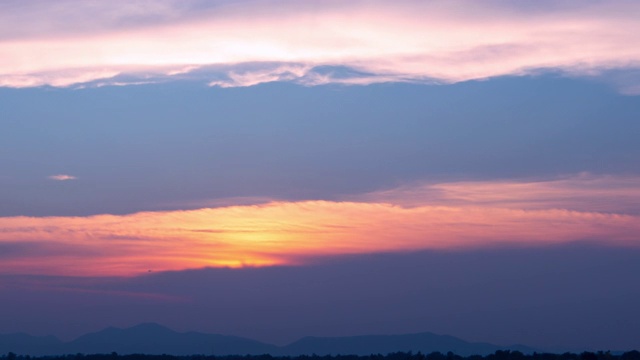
(498, 355)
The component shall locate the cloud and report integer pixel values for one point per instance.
(583, 192)
(62, 177)
(446, 216)
(408, 40)
(262, 75)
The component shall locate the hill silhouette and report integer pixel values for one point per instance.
(384, 344)
(151, 338)
(30, 345)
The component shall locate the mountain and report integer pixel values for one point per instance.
(383, 344)
(27, 344)
(156, 339)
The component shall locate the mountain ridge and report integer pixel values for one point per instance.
(152, 338)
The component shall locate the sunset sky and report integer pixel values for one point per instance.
(282, 168)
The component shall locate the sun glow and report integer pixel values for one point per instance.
(437, 217)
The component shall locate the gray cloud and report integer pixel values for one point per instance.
(571, 297)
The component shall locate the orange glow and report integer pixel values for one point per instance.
(458, 217)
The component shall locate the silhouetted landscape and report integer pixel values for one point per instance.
(155, 339)
(498, 355)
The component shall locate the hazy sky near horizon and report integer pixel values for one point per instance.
(245, 140)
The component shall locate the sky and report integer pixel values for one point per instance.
(277, 168)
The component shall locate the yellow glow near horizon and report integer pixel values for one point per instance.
(442, 216)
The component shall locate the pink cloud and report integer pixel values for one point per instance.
(583, 192)
(404, 41)
(62, 177)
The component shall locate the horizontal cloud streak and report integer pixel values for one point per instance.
(226, 43)
(441, 216)
(62, 177)
(583, 193)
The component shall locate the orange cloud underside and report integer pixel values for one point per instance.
(445, 216)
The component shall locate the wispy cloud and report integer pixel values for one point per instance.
(408, 40)
(583, 192)
(62, 177)
(439, 216)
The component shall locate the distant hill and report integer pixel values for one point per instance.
(27, 344)
(384, 344)
(156, 339)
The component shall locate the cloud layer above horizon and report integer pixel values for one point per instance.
(447, 216)
(244, 43)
